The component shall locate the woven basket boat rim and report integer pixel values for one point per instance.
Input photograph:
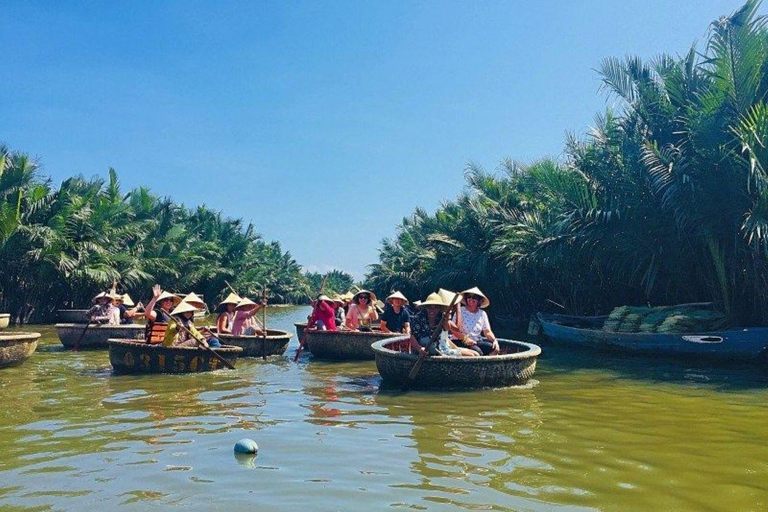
(533, 351)
(282, 335)
(225, 349)
(18, 336)
(129, 327)
(373, 334)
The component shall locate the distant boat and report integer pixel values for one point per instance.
(586, 331)
(275, 343)
(343, 345)
(96, 335)
(16, 347)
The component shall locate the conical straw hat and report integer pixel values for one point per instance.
(183, 307)
(325, 298)
(347, 296)
(102, 295)
(169, 295)
(247, 303)
(231, 299)
(476, 291)
(448, 296)
(127, 301)
(433, 299)
(193, 299)
(397, 295)
(372, 295)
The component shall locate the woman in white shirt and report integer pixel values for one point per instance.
(473, 325)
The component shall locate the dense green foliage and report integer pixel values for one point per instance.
(336, 281)
(61, 247)
(665, 201)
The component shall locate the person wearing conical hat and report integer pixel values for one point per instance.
(102, 311)
(474, 329)
(340, 314)
(196, 301)
(362, 313)
(324, 313)
(123, 303)
(243, 322)
(396, 318)
(181, 331)
(159, 308)
(424, 324)
(226, 309)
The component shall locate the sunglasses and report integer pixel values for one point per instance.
(364, 297)
(471, 297)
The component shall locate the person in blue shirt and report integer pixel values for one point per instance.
(396, 317)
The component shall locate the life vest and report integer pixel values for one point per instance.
(154, 333)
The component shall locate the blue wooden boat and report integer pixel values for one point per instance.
(744, 344)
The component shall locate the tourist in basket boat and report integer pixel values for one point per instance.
(324, 314)
(103, 311)
(181, 331)
(473, 328)
(361, 312)
(244, 322)
(226, 310)
(159, 308)
(123, 303)
(423, 324)
(340, 314)
(396, 317)
(196, 301)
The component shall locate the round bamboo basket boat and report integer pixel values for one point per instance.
(513, 366)
(131, 356)
(275, 344)
(96, 336)
(300, 326)
(16, 347)
(5, 320)
(343, 345)
(72, 316)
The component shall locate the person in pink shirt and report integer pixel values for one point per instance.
(243, 322)
(361, 312)
(324, 314)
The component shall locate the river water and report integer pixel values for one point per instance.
(591, 433)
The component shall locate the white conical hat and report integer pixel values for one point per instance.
(433, 299)
(232, 298)
(169, 295)
(371, 294)
(397, 295)
(127, 301)
(193, 299)
(476, 291)
(246, 302)
(448, 295)
(183, 307)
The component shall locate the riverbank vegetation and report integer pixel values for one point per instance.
(665, 201)
(59, 247)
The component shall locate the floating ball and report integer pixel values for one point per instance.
(246, 446)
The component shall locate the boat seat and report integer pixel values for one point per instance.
(155, 332)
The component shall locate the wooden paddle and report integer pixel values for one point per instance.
(442, 326)
(264, 322)
(205, 346)
(303, 339)
(80, 338)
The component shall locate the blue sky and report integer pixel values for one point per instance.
(323, 123)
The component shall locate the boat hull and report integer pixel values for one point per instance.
(5, 320)
(343, 345)
(131, 356)
(514, 366)
(72, 316)
(734, 345)
(16, 347)
(275, 344)
(96, 336)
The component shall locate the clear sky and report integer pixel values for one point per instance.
(323, 123)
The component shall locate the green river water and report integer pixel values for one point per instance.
(591, 433)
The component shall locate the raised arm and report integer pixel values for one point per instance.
(149, 312)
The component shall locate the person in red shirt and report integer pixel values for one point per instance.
(324, 314)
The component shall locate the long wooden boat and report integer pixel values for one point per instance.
(736, 345)
(343, 345)
(5, 320)
(131, 356)
(72, 316)
(275, 343)
(96, 336)
(16, 347)
(515, 365)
